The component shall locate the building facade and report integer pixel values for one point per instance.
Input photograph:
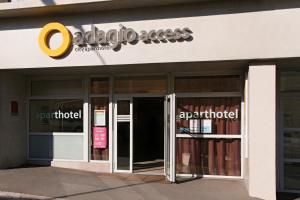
(181, 88)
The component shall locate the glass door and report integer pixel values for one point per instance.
(170, 138)
(123, 135)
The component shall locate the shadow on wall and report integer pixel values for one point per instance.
(13, 139)
(79, 28)
(48, 2)
(149, 13)
(209, 7)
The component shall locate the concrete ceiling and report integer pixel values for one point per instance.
(136, 69)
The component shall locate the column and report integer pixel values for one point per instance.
(262, 131)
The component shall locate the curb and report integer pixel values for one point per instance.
(21, 196)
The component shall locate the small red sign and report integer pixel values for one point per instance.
(100, 137)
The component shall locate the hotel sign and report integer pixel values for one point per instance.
(210, 114)
(113, 39)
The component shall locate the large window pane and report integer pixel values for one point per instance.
(56, 147)
(212, 115)
(61, 115)
(100, 128)
(123, 107)
(208, 156)
(291, 113)
(123, 146)
(292, 176)
(292, 145)
(290, 82)
(153, 84)
(56, 87)
(207, 84)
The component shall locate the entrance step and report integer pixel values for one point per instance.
(136, 177)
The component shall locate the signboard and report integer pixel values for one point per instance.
(99, 118)
(99, 137)
(96, 39)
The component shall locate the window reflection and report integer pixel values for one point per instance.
(290, 82)
(61, 115)
(225, 113)
(292, 145)
(291, 114)
(208, 156)
(292, 176)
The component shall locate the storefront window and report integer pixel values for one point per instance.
(208, 116)
(208, 129)
(153, 84)
(208, 156)
(56, 119)
(56, 115)
(100, 128)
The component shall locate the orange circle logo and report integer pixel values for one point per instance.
(44, 38)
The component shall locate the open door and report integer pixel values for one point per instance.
(148, 135)
(170, 138)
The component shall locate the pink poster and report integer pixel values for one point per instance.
(99, 137)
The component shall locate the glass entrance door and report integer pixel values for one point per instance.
(123, 135)
(290, 144)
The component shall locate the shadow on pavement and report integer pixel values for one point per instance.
(101, 190)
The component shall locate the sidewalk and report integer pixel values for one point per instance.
(50, 183)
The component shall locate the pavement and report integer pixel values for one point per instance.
(57, 183)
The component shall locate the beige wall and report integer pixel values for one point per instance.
(13, 132)
(262, 131)
(217, 35)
